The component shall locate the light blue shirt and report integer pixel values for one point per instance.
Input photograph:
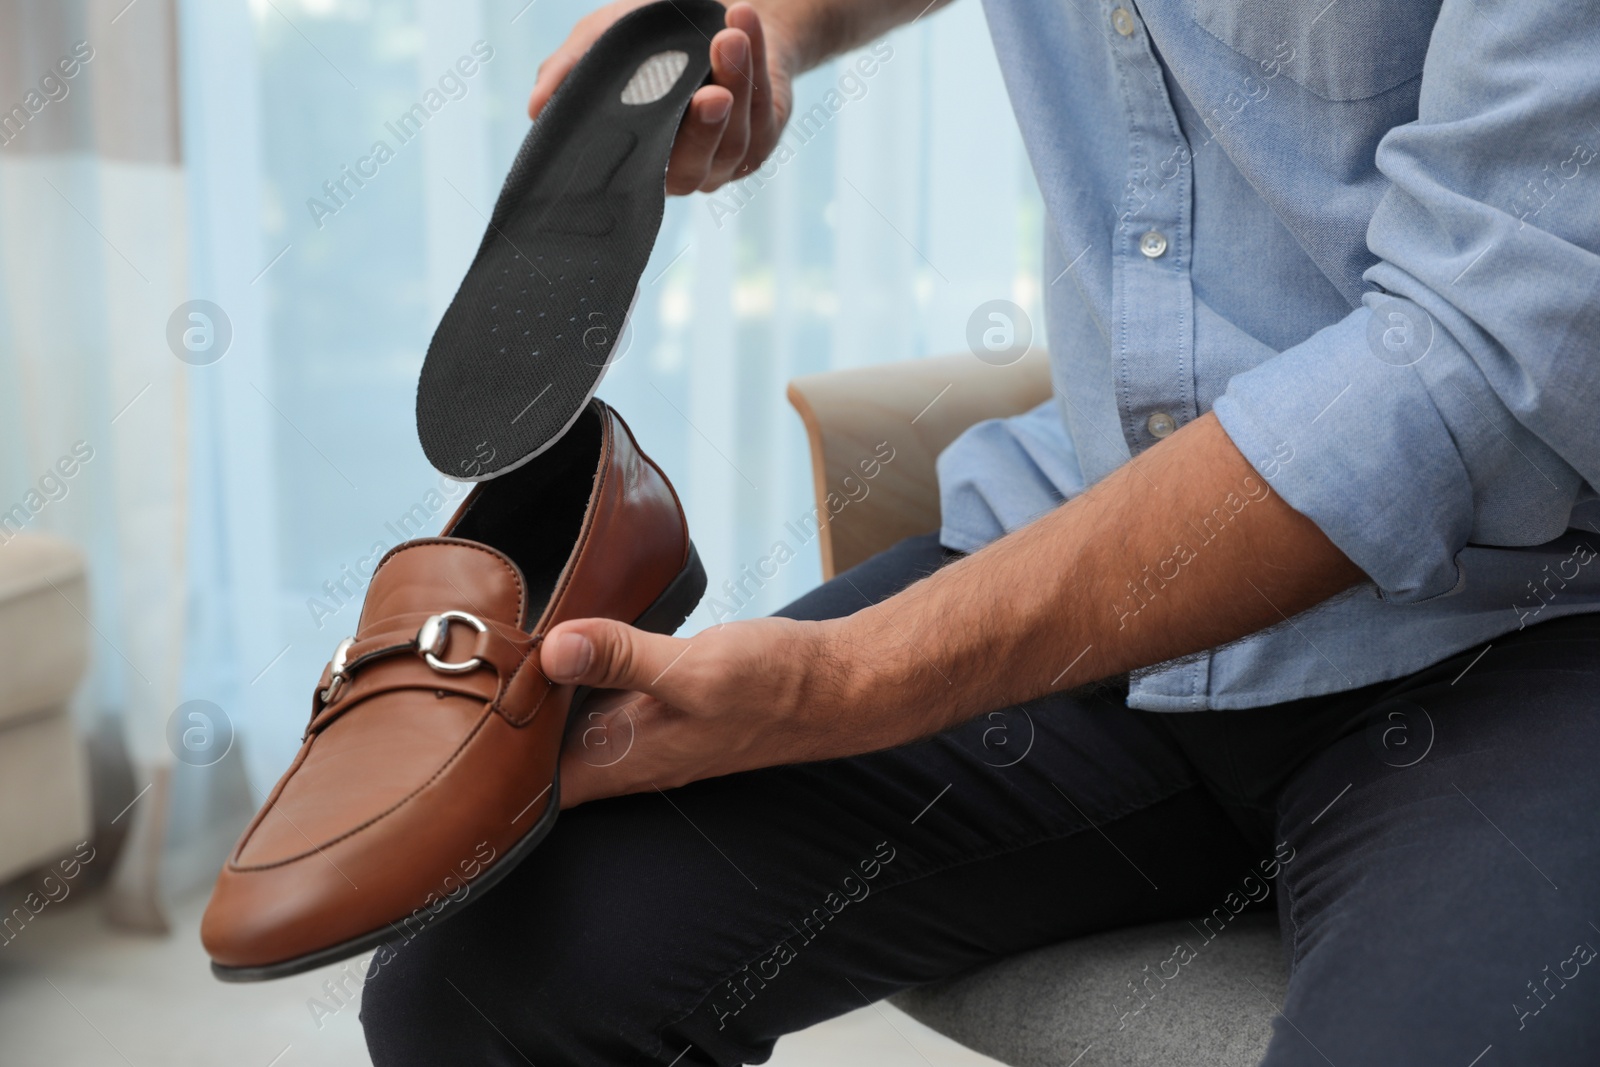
(1364, 233)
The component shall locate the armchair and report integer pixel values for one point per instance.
(44, 650)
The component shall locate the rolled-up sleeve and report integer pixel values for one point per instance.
(1461, 403)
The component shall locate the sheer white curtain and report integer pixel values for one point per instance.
(91, 263)
(905, 204)
(95, 262)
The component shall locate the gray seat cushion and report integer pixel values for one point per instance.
(1151, 995)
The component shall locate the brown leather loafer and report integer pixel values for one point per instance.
(429, 768)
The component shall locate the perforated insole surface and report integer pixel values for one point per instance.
(531, 330)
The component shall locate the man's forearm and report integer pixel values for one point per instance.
(811, 31)
(1182, 549)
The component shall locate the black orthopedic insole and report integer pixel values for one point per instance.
(526, 340)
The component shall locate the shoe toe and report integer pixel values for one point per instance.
(381, 825)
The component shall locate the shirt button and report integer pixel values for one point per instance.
(1161, 425)
(1153, 244)
(1122, 20)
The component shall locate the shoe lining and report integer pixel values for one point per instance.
(534, 513)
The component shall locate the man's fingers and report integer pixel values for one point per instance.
(763, 120)
(731, 69)
(552, 72)
(698, 138)
(604, 654)
(730, 124)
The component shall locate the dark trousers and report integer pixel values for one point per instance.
(1433, 842)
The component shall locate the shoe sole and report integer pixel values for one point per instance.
(669, 612)
(538, 317)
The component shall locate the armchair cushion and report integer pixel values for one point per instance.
(44, 649)
(43, 635)
(1122, 994)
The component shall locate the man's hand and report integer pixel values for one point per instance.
(736, 696)
(733, 123)
(1183, 548)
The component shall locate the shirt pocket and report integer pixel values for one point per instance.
(1343, 50)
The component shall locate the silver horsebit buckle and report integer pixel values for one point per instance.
(433, 637)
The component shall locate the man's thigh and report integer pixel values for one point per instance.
(697, 925)
(1444, 900)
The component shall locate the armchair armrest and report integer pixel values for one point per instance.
(916, 408)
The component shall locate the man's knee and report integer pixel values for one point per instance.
(410, 1014)
(449, 996)
(425, 1001)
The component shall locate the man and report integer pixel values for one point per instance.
(1324, 311)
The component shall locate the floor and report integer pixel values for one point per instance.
(74, 993)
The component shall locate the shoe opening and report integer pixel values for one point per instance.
(535, 513)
